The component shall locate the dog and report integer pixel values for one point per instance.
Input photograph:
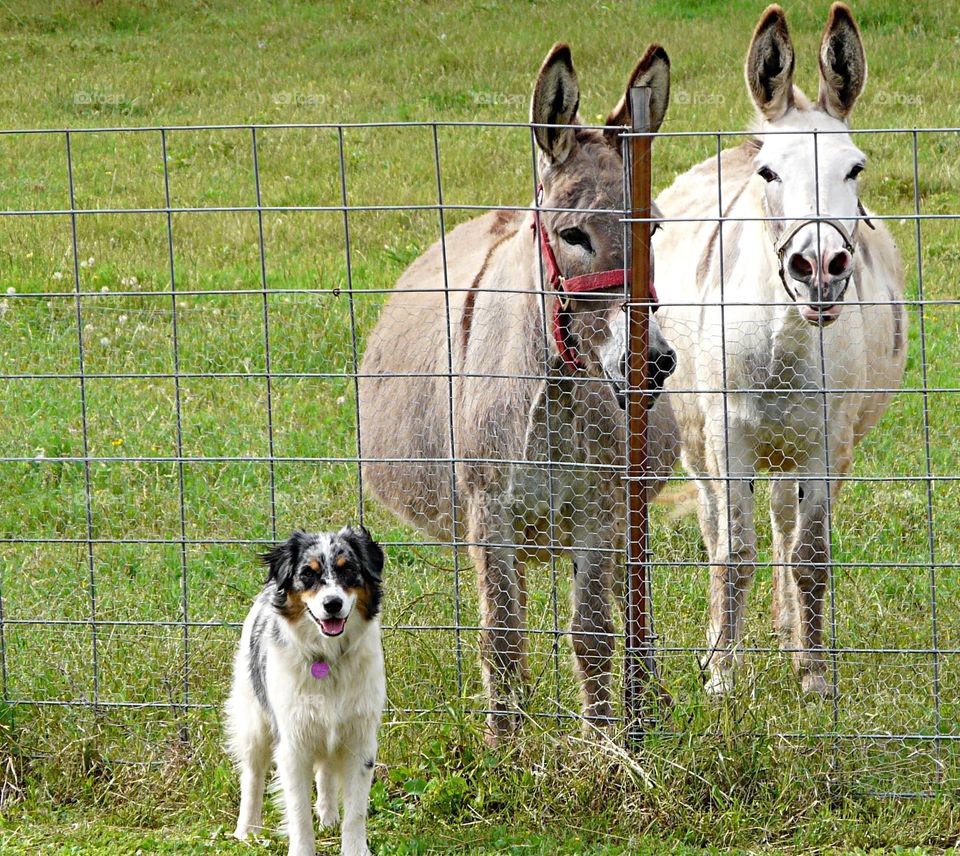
(309, 686)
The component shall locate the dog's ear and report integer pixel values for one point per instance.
(368, 550)
(282, 560)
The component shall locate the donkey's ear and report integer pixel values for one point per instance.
(769, 68)
(282, 560)
(368, 551)
(843, 64)
(653, 71)
(556, 98)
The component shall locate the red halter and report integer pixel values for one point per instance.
(577, 284)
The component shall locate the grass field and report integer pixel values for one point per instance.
(119, 778)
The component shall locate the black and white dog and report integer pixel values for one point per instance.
(309, 686)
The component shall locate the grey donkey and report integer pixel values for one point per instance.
(536, 384)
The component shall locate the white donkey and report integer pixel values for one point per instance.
(799, 361)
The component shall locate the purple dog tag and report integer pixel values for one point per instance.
(320, 670)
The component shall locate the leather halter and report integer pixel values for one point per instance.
(564, 287)
(849, 239)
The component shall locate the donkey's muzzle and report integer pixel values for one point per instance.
(661, 363)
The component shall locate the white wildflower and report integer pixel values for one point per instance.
(105, 341)
(58, 275)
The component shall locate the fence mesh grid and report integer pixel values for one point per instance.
(202, 348)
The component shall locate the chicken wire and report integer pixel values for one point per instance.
(132, 562)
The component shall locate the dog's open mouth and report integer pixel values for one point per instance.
(329, 626)
(332, 626)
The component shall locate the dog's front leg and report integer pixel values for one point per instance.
(295, 770)
(357, 778)
(327, 794)
(253, 773)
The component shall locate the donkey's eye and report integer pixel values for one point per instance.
(855, 172)
(767, 174)
(578, 238)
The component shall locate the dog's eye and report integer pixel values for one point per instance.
(767, 174)
(577, 237)
(308, 576)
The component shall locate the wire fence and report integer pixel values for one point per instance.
(203, 348)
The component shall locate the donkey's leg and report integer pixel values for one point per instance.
(783, 520)
(592, 626)
(502, 644)
(732, 566)
(811, 554)
(708, 515)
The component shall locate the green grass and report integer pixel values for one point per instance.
(719, 778)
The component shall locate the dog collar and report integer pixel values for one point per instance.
(319, 669)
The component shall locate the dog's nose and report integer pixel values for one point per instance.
(333, 605)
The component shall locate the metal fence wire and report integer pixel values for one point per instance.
(213, 335)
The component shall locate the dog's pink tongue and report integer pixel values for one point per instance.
(333, 626)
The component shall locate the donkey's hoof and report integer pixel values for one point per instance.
(598, 725)
(720, 684)
(500, 727)
(815, 684)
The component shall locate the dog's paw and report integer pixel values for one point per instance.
(328, 816)
(356, 850)
(244, 833)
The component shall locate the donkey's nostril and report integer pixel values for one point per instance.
(662, 365)
(800, 267)
(838, 264)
